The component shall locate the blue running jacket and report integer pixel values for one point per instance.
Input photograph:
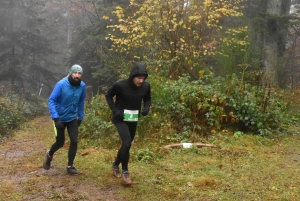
(66, 101)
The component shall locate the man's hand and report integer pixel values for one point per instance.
(58, 124)
(119, 114)
(79, 122)
(145, 111)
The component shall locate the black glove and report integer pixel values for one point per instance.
(58, 123)
(119, 114)
(145, 111)
(79, 122)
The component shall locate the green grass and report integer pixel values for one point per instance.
(247, 167)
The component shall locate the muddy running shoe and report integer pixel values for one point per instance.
(47, 161)
(126, 178)
(116, 171)
(73, 171)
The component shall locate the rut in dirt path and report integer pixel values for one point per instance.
(22, 176)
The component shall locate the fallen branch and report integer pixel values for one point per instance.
(190, 144)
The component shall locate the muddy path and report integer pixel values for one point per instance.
(22, 176)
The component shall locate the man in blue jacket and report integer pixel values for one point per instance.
(129, 95)
(66, 106)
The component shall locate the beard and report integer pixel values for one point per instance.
(74, 81)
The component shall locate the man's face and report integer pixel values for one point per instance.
(76, 76)
(138, 81)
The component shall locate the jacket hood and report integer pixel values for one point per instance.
(138, 68)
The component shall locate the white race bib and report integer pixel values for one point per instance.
(131, 115)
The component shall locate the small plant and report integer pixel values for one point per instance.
(238, 134)
(145, 155)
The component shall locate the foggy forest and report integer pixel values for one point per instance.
(40, 40)
(232, 63)
(224, 75)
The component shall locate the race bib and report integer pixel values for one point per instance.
(131, 115)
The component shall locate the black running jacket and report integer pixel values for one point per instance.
(127, 94)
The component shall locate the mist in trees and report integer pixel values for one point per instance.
(24, 48)
(41, 39)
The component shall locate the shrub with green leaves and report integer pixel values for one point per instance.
(17, 106)
(256, 109)
(97, 121)
(9, 119)
(184, 109)
(213, 102)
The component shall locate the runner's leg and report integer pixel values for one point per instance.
(60, 141)
(123, 153)
(72, 128)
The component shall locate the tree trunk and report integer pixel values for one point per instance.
(270, 47)
(286, 7)
(12, 50)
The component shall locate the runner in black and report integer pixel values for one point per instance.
(129, 95)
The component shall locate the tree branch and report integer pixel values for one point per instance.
(193, 144)
(83, 8)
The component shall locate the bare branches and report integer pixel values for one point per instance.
(83, 8)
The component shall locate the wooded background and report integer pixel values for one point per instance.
(256, 39)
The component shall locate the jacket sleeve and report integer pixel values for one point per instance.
(147, 98)
(54, 97)
(113, 91)
(81, 104)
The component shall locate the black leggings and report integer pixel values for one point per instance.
(72, 128)
(126, 131)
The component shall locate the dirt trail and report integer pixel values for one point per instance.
(22, 176)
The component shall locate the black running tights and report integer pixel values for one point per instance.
(72, 128)
(126, 131)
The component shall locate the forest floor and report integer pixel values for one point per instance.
(246, 168)
(22, 176)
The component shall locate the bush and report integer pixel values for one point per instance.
(224, 101)
(97, 121)
(17, 106)
(9, 119)
(184, 109)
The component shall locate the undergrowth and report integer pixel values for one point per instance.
(242, 167)
(17, 105)
(186, 110)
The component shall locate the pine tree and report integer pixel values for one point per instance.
(24, 49)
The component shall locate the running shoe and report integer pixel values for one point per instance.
(73, 171)
(47, 161)
(126, 178)
(116, 171)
